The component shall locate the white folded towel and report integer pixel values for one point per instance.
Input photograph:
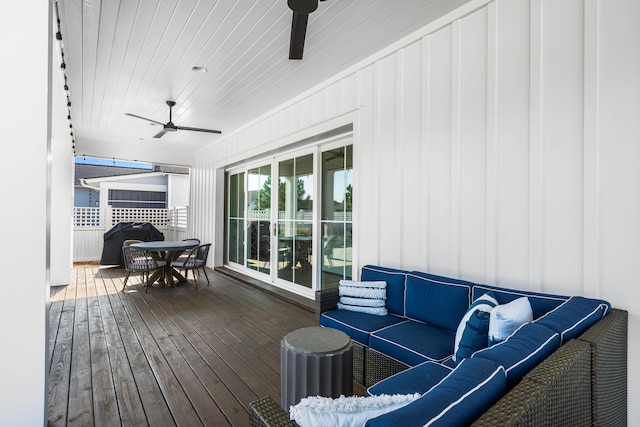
(372, 284)
(380, 311)
(354, 291)
(364, 302)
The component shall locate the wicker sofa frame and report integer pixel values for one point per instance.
(582, 383)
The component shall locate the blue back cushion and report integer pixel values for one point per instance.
(439, 301)
(540, 303)
(574, 316)
(395, 285)
(522, 351)
(460, 398)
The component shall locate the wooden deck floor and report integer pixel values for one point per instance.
(174, 356)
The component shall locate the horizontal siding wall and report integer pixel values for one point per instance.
(502, 147)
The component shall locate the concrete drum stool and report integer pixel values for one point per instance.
(315, 361)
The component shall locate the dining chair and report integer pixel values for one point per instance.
(139, 260)
(187, 252)
(130, 242)
(197, 260)
(284, 256)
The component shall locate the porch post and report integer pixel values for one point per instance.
(26, 178)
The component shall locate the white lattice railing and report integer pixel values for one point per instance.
(178, 218)
(90, 224)
(87, 217)
(157, 217)
(97, 217)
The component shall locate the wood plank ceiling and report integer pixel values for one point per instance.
(130, 56)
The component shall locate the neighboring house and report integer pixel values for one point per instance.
(163, 186)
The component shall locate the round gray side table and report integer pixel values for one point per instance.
(315, 361)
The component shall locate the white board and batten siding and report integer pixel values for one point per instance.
(500, 144)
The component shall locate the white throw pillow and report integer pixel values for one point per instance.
(317, 411)
(506, 318)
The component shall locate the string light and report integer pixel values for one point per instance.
(63, 71)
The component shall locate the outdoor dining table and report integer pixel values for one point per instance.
(167, 251)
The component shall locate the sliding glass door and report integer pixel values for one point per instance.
(280, 232)
(295, 219)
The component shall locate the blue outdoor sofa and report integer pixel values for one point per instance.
(567, 365)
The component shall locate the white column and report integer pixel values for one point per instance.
(24, 222)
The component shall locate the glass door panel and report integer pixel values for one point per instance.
(235, 226)
(259, 218)
(336, 216)
(295, 220)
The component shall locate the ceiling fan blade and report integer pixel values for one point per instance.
(298, 33)
(197, 129)
(169, 126)
(144, 118)
(160, 134)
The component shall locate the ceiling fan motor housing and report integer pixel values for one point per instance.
(303, 6)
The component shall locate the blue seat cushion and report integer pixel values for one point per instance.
(418, 379)
(527, 347)
(540, 303)
(574, 316)
(461, 397)
(395, 285)
(357, 325)
(437, 300)
(413, 342)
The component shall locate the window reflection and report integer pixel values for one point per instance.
(337, 208)
(295, 219)
(258, 218)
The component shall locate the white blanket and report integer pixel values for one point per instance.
(316, 411)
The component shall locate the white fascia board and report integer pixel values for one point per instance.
(132, 186)
(99, 180)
